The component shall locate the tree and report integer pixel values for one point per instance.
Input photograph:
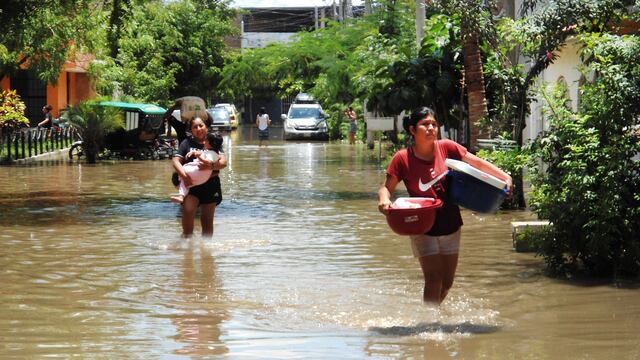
(590, 188)
(42, 35)
(168, 50)
(474, 17)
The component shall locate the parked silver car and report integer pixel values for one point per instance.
(221, 118)
(235, 115)
(305, 121)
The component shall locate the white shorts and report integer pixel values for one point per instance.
(424, 245)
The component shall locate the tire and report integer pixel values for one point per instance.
(76, 151)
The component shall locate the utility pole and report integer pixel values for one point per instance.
(420, 15)
(348, 9)
(315, 15)
(367, 7)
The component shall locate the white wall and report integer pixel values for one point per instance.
(261, 39)
(565, 66)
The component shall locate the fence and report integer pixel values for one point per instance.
(497, 144)
(25, 143)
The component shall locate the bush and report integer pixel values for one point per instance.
(11, 112)
(512, 161)
(93, 122)
(587, 186)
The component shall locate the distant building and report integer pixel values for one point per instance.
(261, 26)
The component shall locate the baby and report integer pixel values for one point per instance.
(199, 176)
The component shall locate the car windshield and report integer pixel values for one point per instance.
(219, 114)
(227, 107)
(300, 113)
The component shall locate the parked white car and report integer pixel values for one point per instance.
(305, 121)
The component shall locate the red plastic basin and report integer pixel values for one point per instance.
(414, 220)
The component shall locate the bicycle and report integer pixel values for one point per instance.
(76, 150)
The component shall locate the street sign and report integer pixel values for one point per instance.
(380, 124)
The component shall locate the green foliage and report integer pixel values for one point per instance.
(432, 78)
(513, 162)
(589, 186)
(168, 50)
(534, 238)
(11, 112)
(343, 63)
(544, 29)
(93, 122)
(42, 35)
(504, 82)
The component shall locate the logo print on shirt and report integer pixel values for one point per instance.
(424, 187)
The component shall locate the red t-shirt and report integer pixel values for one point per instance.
(416, 173)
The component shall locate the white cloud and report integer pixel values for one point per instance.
(288, 3)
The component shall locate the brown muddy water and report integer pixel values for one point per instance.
(301, 266)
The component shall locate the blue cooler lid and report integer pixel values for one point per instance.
(465, 168)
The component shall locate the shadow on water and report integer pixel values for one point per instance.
(436, 327)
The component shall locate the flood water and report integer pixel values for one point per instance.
(301, 266)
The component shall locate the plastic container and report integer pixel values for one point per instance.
(474, 189)
(412, 215)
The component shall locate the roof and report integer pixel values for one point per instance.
(146, 108)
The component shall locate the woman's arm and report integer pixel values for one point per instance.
(44, 122)
(177, 165)
(219, 164)
(489, 168)
(384, 193)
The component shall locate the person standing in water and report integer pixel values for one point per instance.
(436, 250)
(263, 122)
(353, 124)
(206, 196)
(198, 176)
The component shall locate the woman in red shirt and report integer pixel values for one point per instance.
(437, 250)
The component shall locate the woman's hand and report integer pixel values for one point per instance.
(384, 194)
(383, 206)
(193, 153)
(509, 182)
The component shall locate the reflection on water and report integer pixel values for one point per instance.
(202, 311)
(301, 265)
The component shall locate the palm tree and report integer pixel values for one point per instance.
(93, 122)
(472, 13)
(474, 81)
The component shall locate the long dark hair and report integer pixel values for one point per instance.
(417, 115)
(215, 140)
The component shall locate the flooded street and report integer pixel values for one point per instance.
(301, 266)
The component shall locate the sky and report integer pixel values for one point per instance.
(288, 3)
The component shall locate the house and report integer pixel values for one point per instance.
(73, 85)
(563, 70)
